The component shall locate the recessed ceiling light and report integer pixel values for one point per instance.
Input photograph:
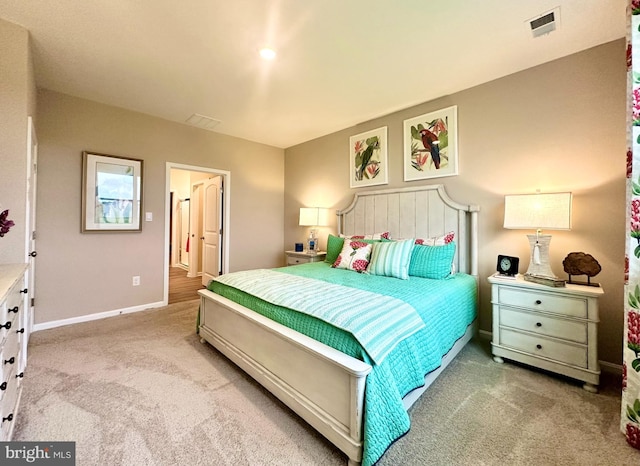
(267, 53)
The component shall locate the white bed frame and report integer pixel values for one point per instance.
(322, 385)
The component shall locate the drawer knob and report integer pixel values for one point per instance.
(7, 325)
(539, 346)
(14, 309)
(8, 418)
(20, 375)
(538, 301)
(11, 360)
(3, 386)
(25, 291)
(20, 331)
(538, 324)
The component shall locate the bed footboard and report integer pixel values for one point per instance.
(322, 385)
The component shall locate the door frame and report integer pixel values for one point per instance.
(226, 215)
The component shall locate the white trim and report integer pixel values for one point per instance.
(611, 368)
(96, 316)
(226, 237)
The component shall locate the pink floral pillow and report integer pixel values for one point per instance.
(355, 255)
(437, 240)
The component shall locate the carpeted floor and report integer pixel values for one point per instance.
(140, 389)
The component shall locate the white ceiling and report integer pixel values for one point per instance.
(339, 63)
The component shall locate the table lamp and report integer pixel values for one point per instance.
(313, 217)
(542, 211)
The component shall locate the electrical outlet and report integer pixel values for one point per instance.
(136, 280)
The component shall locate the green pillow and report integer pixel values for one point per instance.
(391, 258)
(334, 247)
(432, 261)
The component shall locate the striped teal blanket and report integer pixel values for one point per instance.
(378, 322)
(446, 307)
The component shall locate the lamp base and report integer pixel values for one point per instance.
(539, 260)
(312, 243)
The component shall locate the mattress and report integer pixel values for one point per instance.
(446, 306)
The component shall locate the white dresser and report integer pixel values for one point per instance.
(555, 329)
(13, 295)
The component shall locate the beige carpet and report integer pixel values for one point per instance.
(140, 389)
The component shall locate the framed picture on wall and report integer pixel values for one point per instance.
(368, 158)
(431, 145)
(111, 193)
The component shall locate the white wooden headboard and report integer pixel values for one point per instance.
(415, 212)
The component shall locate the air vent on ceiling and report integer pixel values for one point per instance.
(202, 121)
(545, 23)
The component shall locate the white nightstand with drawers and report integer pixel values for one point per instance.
(295, 257)
(555, 329)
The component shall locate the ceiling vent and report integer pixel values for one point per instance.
(203, 122)
(545, 23)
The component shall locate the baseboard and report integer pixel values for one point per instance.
(611, 368)
(96, 316)
(608, 367)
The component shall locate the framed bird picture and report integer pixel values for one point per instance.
(431, 145)
(368, 158)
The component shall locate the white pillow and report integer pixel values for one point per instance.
(354, 256)
(383, 235)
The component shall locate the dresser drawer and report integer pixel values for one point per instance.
(545, 302)
(15, 297)
(544, 325)
(544, 347)
(9, 354)
(297, 260)
(10, 324)
(8, 409)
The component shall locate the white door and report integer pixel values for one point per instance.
(30, 237)
(184, 232)
(195, 230)
(211, 229)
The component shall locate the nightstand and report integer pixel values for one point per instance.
(295, 258)
(555, 329)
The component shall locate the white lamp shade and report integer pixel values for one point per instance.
(314, 217)
(550, 211)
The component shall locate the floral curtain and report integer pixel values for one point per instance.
(630, 418)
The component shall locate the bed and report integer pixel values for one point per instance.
(331, 377)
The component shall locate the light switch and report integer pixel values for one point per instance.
(148, 216)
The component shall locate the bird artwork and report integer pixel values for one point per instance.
(434, 139)
(366, 164)
(432, 145)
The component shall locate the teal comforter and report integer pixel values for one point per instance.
(447, 307)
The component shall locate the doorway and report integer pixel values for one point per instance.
(193, 254)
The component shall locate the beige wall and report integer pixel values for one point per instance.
(17, 102)
(555, 127)
(79, 274)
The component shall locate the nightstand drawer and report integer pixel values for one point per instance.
(539, 346)
(543, 325)
(545, 302)
(297, 260)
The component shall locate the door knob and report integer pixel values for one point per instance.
(33, 253)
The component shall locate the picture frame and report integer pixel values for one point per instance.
(111, 193)
(368, 165)
(431, 145)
